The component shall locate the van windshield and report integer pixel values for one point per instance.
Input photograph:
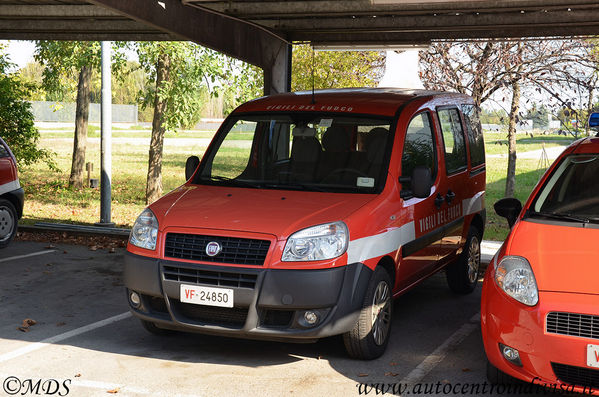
(300, 151)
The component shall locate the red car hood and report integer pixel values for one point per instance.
(276, 212)
(563, 258)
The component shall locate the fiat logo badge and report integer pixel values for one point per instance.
(213, 248)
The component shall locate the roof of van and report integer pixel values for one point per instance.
(379, 101)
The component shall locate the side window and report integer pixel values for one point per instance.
(419, 146)
(475, 135)
(453, 139)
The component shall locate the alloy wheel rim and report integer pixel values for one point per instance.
(7, 223)
(381, 313)
(473, 259)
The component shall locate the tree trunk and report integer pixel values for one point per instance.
(510, 181)
(81, 118)
(154, 181)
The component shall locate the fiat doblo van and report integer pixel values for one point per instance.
(309, 212)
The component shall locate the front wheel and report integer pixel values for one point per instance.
(8, 222)
(370, 335)
(462, 275)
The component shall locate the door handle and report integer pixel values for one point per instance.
(449, 196)
(439, 200)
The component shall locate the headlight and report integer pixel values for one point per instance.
(317, 243)
(145, 230)
(515, 277)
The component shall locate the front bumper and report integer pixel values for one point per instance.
(552, 360)
(268, 303)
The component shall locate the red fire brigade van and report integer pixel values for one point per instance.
(309, 213)
(11, 195)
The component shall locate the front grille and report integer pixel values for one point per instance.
(577, 376)
(209, 277)
(238, 251)
(210, 315)
(573, 324)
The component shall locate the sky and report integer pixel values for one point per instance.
(20, 52)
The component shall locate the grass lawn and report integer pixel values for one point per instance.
(48, 198)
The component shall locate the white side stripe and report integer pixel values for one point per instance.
(381, 244)
(9, 187)
(473, 205)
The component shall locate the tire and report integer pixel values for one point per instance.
(370, 335)
(462, 275)
(153, 329)
(8, 222)
(497, 377)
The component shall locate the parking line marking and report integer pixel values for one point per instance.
(26, 256)
(59, 338)
(431, 361)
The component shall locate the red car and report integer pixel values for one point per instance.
(540, 298)
(11, 195)
(309, 212)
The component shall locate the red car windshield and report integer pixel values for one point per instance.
(572, 191)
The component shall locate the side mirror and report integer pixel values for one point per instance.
(190, 166)
(594, 120)
(509, 208)
(421, 181)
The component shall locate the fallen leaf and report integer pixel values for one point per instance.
(393, 363)
(60, 324)
(466, 370)
(29, 322)
(23, 329)
(390, 374)
(113, 391)
(362, 375)
(78, 376)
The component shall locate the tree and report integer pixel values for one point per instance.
(539, 114)
(16, 119)
(65, 58)
(179, 70)
(485, 68)
(61, 60)
(335, 69)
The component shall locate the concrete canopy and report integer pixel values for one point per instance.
(260, 31)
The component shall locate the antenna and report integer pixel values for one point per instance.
(313, 99)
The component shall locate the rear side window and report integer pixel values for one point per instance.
(453, 139)
(475, 135)
(419, 147)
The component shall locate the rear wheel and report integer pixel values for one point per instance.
(370, 335)
(8, 222)
(462, 275)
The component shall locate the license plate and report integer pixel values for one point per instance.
(222, 297)
(593, 356)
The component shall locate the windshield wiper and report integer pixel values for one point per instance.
(232, 181)
(561, 216)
